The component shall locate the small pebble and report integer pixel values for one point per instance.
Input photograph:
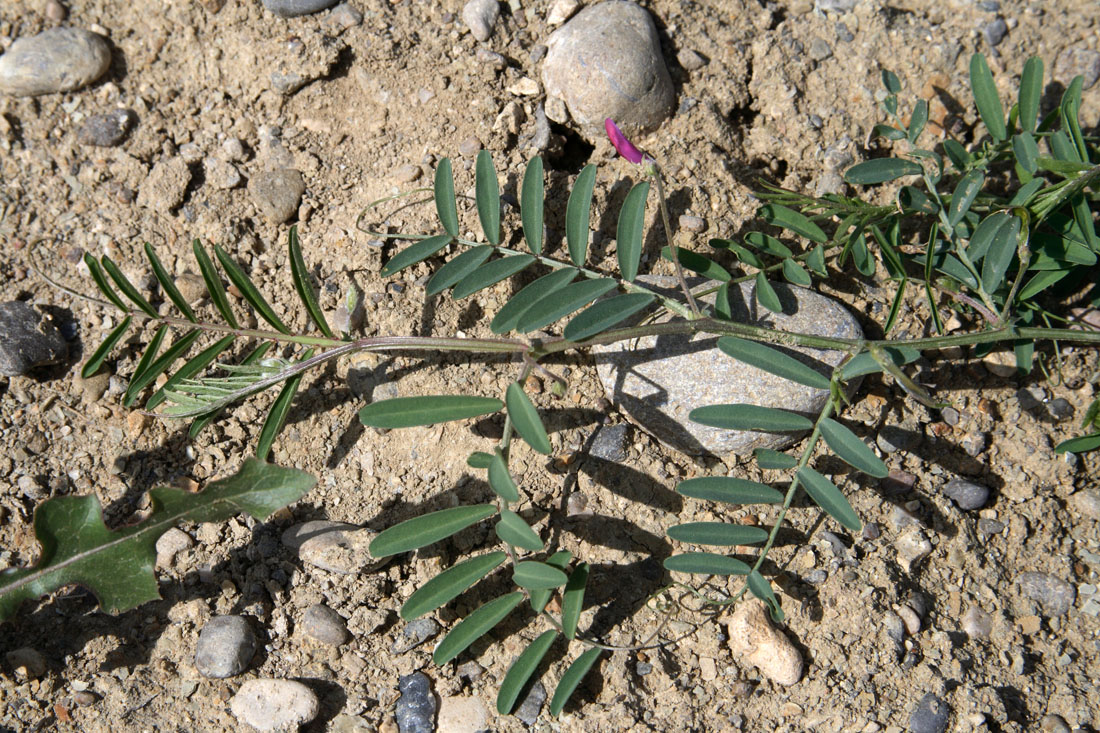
(995, 31)
(416, 633)
(325, 625)
(293, 8)
(342, 551)
(27, 339)
(693, 224)
(911, 620)
(561, 11)
(469, 147)
(345, 16)
(1087, 502)
(1054, 724)
(929, 716)
(225, 647)
(480, 16)
(55, 60)
(895, 627)
(1060, 409)
(171, 543)
(819, 49)
(277, 193)
(268, 704)
(407, 173)
(871, 531)
(1078, 61)
(990, 526)
(690, 60)
(221, 174)
(491, 58)
(977, 623)
(892, 438)
(462, 714)
(967, 495)
(610, 443)
(106, 130)
(415, 711)
(912, 546)
(166, 185)
(55, 11)
(836, 6)
(528, 710)
(1055, 595)
(28, 663)
(753, 639)
(843, 34)
(84, 698)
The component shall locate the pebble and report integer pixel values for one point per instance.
(995, 31)
(27, 339)
(480, 16)
(872, 531)
(606, 62)
(690, 60)
(843, 34)
(408, 173)
(491, 58)
(55, 60)
(929, 716)
(469, 147)
(294, 537)
(293, 8)
(753, 639)
(912, 546)
(835, 6)
(1087, 502)
(462, 714)
(268, 704)
(911, 620)
(106, 130)
(561, 11)
(416, 707)
(324, 625)
(225, 647)
(528, 710)
(26, 662)
(893, 438)
(171, 543)
(819, 49)
(1000, 363)
(967, 495)
(1060, 409)
(694, 224)
(416, 633)
(610, 443)
(657, 382)
(341, 551)
(1077, 61)
(1055, 595)
(345, 16)
(1054, 724)
(166, 185)
(977, 623)
(277, 193)
(234, 150)
(525, 87)
(93, 387)
(990, 527)
(221, 174)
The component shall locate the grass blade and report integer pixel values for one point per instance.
(531, 203)
(214, 286)
(248, 290)
(750, 417)
(565, 301)
(577, 213)
(491, 274)
(827, 496)
(772, 361)
(510, 313)
(450, 584)
(428, 529)
(573, 600)
(168, 284)
(729, 490)
(539, 598)
(500, 479)
(407, 412)
(457, 268)
(515, 681)
(475, 626)
(512, 529)
(705, 563)
(488, 197)
(444, 191)
(601, 316)
(412, 254)
(792, 220)
(538, 576)
(276, 417)
(526, 419)
(127, 287)
(717, 533)
(572, 678)
(1031, 91)
(101, 282)
(101, 352)
(985, 97)
(629, 231)
(143, 364)
(300, 276)
(766, 295)
(851, 449)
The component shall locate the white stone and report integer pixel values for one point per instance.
(274, 704)
(754, 640)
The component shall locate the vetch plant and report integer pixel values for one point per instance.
(1007, 254)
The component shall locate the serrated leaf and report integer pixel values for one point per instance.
(696, 262)
(918, 120)
(1031, 92)
(573, 600)
(168, 284)
(750, 417)
(1000, 255)
(773, 361)
(100, 279)
(490, 274)
(599, 317)
(500, 479)
(766, 295)
(449, 584)
(565, 301)
(1080, 444)
(538, 576)
(525, 418)
(967, 189)
(815, 260)
(475, 626)
(162, 363)
(127, 287)
(762, 589)
(985, 97)
(488, 197)
(515, 681)
(781, 216)
(539, 598)
(827, 496)
(117, 565)
(276, 416)
(513, 530)
(768, 243)
(407, 412)
(572, 678)
(193, 366)
(300, 275)
(796, 274)
(444, 191)
(629, 231)
(414, 253)
(881, 170)
(215, 288)
(102, 351)
(457, 268)
(851, 449)
(717, 533)
(774, 460)
(248, 290)
(531, 205)
(151, 351)
(705, 563)
(508, 316)
(578, 211)
(729, 490)
(428, 529)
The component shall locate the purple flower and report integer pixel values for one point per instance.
(624, 146)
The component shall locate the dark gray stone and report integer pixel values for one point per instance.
(106, 130)
(416, 633)
(989, 527)
(893, 438)
(325, 625)
(995, 31)
(929, 716)
(528, 710)
(1055, 595)
(277, 193)
(293, 8)
(225, 647)
(27, 340)
(610, 443)
(966, 494)
(56, 60)
(416, 707)
(1060, 409)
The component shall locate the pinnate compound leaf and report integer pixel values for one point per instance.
(795, 221)
(300, 275)
(565, 301)
(444, 191)
(407, 412)
(773, 361)
(881, 170)
(488, 197)
(577, 214)
(526, 419)
(750, 417)
(851, 449)
(161, 364)
(491, 274)
(475, 626)
(773, 459)
(717, 533)
(151, 351)
(630, 229)
(559, 560)
(696, 262)
(500, 479)
(766, 295)
(762, 589)
(573, 600)
(1031, 91)
(127, 287)
(512, 529)
(531, 203)
(117, 565)
(276, 416)
(598, 317)
(449, 584)
(572, 678)
(248, 290)
(705, 563)
(827, 496)
(538, 291)
(215, 288)
(428, 529)
(729, 490)
(101, 282)
(100, 354)
(191, 367)
(414, 253)
(985, 97)
(457, 268)
(538, 576)
(515, 681)
(168, 284)
(201, 422)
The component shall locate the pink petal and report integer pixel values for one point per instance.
(624, 146)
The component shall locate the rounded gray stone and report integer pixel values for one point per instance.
(274, 704)
(480, 16)
(416, 707)
(606, 62)
(929, 716)
(416, 633)
(226, 645)
(277, 193)
(294, 8)
(1087, 502)
(106, 130)
(966, 494)
(55, 60)
(1055, 595)
(657, 382)
(341, 551)
(324, 625)
(27, 340)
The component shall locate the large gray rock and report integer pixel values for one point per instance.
(658, 381)
(27, 340)
(606, 62)
(56, 60)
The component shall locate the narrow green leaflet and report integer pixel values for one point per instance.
(525, 418)
(100, 354)
(1031, 92)
(918, 120)
(768, 243)
(475, 626)
(762, 589)
(888, 131)
(717, 533)
(449, 584)
(696, 262)
(1040, 282)
(168, 284)
(722, 303)
(127, 287)
(414, 253)
(967, 189)
(881, 170)
(444, 190)
(300, 275)
(957, 154)
(630, 229)
(766, 295)
(162, 363)
(851, 449)
(796, 274)
(577, 213)
(101, 282)
(491, 274)
(559, 560)
(500, 479)
(983, 236)
(565, 301)
(193, 366)
(513, 530)
(215, 288)
(457, 268)
(1026, 152)
(598, 317)
(796, 222)
(891, 82)
(985, 97)
(773, 361)
(750, 417)
(815, 260)
(573, 600)
(828, 497)
(117, 565)
(705, 563)
(488, 197)
(508, 316)
(1080, 444)
(521, 670)
(531, 203)
(248, 290)
(276, 416)
(538, 576)
(407, 412)
(479, 459)
(1001, 251)
(729, 490)
(143, 364)
(773, 459)
(428, 529)
(572, 678)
